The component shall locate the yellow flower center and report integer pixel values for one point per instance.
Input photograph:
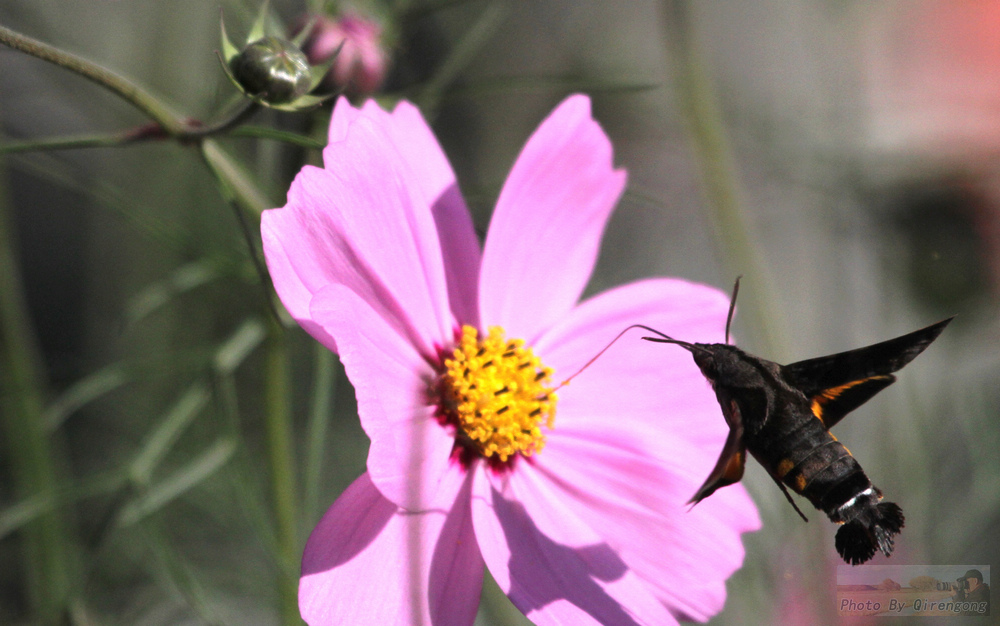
(498, 394)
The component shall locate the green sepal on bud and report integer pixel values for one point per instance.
(272, 71)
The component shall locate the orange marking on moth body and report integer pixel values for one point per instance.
(800, 483)
(784, 467)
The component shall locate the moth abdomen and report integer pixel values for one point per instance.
(852, 494)
(823, 472)
(799, 452)
(872, 528)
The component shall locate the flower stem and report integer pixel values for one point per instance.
(278, 422)
(167, 122)
(323, 395)
(139, 97)
(240, 115)
(108, 140)
(47, 557)
(461, 55)
(241, 193)
(719, 172)
(236, 185)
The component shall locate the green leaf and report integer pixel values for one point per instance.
(16, 516)
(178, 418)
(84, 391)
(302, 103)
(184, 278)
(264, 132)
(25, 511)
(241, 343)
(172, 570)
(177, 484)
(257, 30)
(229, 51)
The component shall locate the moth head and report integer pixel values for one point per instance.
(717, 361)
(706, 356)
(705, 360)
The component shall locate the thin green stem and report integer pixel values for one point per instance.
(461, 55)
(240, 115)
(193, 131)
(15, 516)
(71, 143)
(719, 173)
(243, 471)
(167, 123)
(172, 567)
(236, 184)
(278, 421)
(263, 132)
(324, 391)
(47, 556)
(137, 96)
(240, 191)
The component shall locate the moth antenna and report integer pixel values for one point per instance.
(605, 349)
(732, 306)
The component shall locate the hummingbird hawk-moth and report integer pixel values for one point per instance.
(782, 415)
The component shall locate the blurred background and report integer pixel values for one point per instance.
(844, 157)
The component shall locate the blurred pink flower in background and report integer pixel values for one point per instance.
(362, 63)
(933, 79)
(933, 87)
(575, 503)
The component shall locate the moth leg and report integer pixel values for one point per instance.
(790, 501)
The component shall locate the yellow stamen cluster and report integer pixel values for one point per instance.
(499, 393)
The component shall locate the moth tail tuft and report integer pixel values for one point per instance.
(858, 539)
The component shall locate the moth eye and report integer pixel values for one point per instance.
(706, 364)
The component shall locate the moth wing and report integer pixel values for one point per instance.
(729, 468)
(831, 405)
(813, 376)
(837, 384)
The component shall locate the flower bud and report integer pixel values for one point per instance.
(272, 70)
(361, 62)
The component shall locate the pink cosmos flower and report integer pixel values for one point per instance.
(362, 61)
(574, 500)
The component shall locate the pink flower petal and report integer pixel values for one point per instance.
(410, 450)
(357, 223)
(432, 175)
(546, 230)
(551, 565)
(294, 294)
(344, 115)
(638, 506)
(639, 430)
(459, 245)
(653, 390)
(370, 562)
